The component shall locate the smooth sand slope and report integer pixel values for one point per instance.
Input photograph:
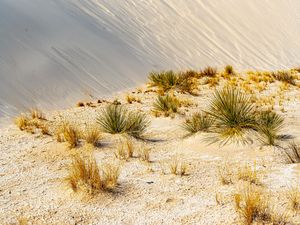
(56, 51)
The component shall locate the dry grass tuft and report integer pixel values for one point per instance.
(130, 99)
(175, 166)
(285, 76)
(252, 205)
(37, 114)
(22, 122)
(209, 72)
(71, 135)
(144, 153)
(249, 173)
(84, 175)
(125, 149)
(92, 135)
(130, 148)
(226, 174)
(110, 176)
(121, 152)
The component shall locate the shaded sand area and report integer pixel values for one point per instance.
(33, 166)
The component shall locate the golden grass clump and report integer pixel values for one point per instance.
(166, 104)
(37, 114)
(178, 167)
(130, 99)
(92, 135)
(37, 121)
(84, 175)
(22, 122)
(124, 150)
(252, 205)
(71, 135)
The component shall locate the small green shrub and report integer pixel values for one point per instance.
(116, 119)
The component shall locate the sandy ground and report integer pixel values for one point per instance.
(32, 168)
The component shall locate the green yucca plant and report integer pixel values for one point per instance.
(165, 79)
(113, 119)
(285, 76)
(116, 119)
(166, 104)
(233, 113)
(269, 124)
(198, 122)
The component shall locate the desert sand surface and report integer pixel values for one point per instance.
(33, 165)
(56, 52)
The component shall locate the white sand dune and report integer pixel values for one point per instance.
(57, 51)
